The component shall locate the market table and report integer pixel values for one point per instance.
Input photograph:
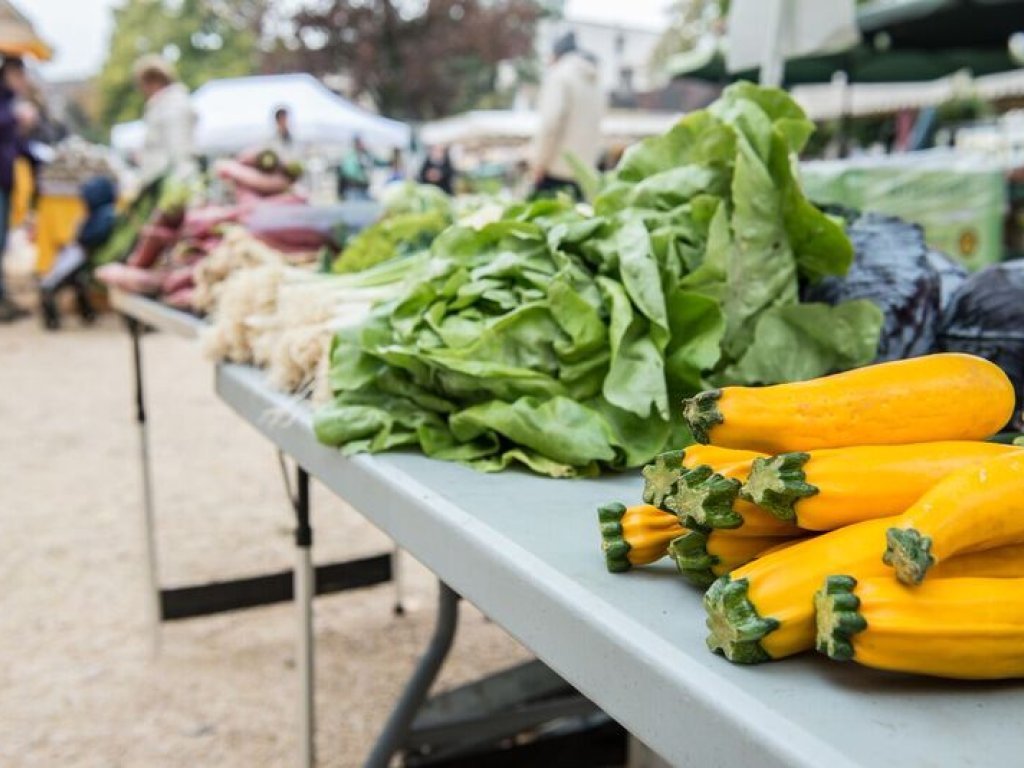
(526, 551)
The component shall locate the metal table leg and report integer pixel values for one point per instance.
(149, 521)
(397, 577)
(415, 694)
(304, 589)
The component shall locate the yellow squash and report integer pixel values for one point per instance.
(968, 628)
(635, 535)
(765, 609)
(832, 487)
(975, 508)
(936, 397)
(641, 534)
(663, 474)
(702, 486)
(702, 556)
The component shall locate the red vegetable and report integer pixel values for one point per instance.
(153, 241)
(131, 279)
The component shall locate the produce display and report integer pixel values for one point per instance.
(167, 231)
(903, 487)
(558, 336)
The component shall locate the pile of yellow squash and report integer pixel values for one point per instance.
(862, 514)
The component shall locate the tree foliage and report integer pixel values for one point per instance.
(209, 38)
(689, 20)
(414, 60)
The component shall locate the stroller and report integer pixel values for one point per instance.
(72, 267)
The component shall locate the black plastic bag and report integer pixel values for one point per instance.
(986, 318)
(891, 267)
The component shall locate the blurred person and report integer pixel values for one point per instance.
(354, 172)
(169, 120)
(570, 110)
(437, 169)
(396, 170)
(17, 119)
(283, 142)
(71, 269)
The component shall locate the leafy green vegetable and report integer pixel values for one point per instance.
(389, 238)
(563, 339)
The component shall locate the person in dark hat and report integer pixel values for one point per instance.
(570, 109)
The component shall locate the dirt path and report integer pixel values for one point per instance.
(77, 686)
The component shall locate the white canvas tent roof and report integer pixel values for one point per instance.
(237, 113)
(521, 125)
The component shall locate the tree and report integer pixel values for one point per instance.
(418, 63)
(208, 39)
(689, 21)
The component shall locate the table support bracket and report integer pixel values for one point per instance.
(399, 723)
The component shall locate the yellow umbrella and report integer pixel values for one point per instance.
(17, 37)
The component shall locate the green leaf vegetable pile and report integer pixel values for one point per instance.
(564, 340)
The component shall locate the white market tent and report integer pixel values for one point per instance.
(237, 113)
(513, 126)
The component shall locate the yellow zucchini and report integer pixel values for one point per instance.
(829, 488)
(641, 534)
(765, 609)
(702, 488)
(635, 535)
(936, 397)
(975, 508)
(701, 556)
(966, 628)
(662, 474)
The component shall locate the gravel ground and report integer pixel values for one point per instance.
(78, 686)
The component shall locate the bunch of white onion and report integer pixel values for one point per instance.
(239, 250)
(283, 318)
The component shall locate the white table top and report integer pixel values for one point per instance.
(155, 314)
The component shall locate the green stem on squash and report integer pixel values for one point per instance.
(735, 627)
(661, 476)
(695, 563)
(776, 483)
(837, 613)
(615, 547)
(701, 413)
(909, 553)
(704, 498)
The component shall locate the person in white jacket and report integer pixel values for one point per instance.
(168, 147)
(571, 107)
